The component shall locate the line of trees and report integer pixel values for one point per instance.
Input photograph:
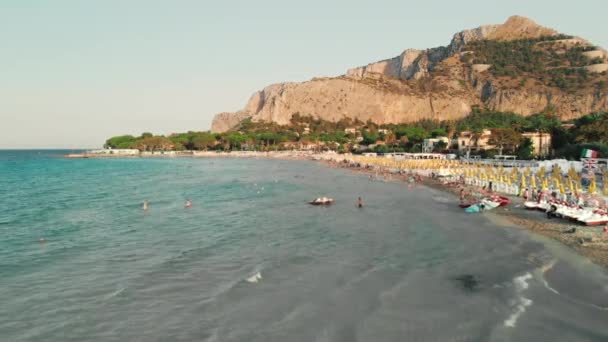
(351, 135)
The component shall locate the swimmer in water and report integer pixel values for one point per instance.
(188, 203)
(145, 206)
(41, 240)
(359, 202)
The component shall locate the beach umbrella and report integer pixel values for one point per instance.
(532, 181)
(592, 187)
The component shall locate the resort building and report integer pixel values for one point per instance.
(469, 141)
(429, 144)
(351, 131)
(541, 143)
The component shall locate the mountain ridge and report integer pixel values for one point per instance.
(566, 73)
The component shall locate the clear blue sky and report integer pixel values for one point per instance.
(75, 72)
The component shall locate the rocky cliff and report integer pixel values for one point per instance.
(445, 82)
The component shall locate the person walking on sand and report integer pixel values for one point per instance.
(359, 202)
(145, 206)
(188, 203)
(526, 194)
(462, 195)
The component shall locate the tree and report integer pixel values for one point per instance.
(204, 141)
(369, 137)
(505, 138)
(121, 141)
(594, 132)
(438, 132)
(440, 146)
(234, 140)
(154, 144)
(525, 150)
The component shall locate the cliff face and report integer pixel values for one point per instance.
(430, 84)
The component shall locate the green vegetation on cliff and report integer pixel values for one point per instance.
(549, 60)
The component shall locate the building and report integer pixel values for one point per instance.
(350, 131)
(469, 141)
(118, 152)
(541, 143)
(383, 131)
(567, 125)
(429, 144)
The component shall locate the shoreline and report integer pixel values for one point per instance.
(587, 241)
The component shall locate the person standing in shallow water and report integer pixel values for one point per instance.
(188, 203)
(145, 205)
(359, 202)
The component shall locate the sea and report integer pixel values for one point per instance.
(251, 260)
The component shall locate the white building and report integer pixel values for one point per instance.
(118, 151)
(429, 144)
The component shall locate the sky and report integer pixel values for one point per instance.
(73, 73)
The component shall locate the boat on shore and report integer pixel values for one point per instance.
(490, 202)
(583, 215)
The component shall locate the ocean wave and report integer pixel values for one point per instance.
(114, 294)
(521, 302)
(442, 199)
(544, 269)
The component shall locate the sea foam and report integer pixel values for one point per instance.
(520, 303)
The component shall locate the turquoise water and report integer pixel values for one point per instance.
(408, 266)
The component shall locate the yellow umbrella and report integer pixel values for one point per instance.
(592, 187)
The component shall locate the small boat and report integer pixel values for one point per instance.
(532, 205)
(472, 209)
(322, 201)
(594, 220)
(502, 200)
(491, 202)
(484, 205)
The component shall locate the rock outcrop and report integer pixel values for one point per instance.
(429, 84)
